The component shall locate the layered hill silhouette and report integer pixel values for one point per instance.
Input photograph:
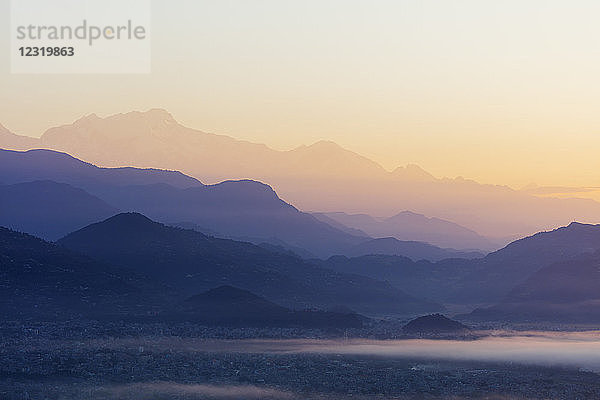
(242, 210)
(414, 250)
(497, 273)
(228, 305)
(238, 209)
(193, 262)
(23, 166)
(44, 281)
(563, 292)
(432, 280)
(322, 176)
(409, 226)
(48, 209)
(476, 281)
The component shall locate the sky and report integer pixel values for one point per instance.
(501, 92)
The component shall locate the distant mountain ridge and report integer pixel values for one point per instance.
(193, 262)
(44, 281)
(521, 258)
(411, 249)
(23, 166)
(561, 287)
(562, 292)
(484, 280)
(241, 210)
(48, 209)
(322, 176)
(231, 208)
(408, 225)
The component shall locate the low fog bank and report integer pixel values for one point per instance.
(169, 367)
(579, 349)
(572, 349)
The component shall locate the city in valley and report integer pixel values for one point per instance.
(326, 200)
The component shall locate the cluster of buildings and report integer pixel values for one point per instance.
(41, 361)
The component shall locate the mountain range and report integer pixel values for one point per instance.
(375, 265)
(562, 292)
(120, 266)
(193, 262)
(48, 209)
(485, 280)
(74, 193)
(129, 265)
(44, 280)
(411, 249)
(408, 226)
(322, 176)
(497, 273)
(232, 208)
